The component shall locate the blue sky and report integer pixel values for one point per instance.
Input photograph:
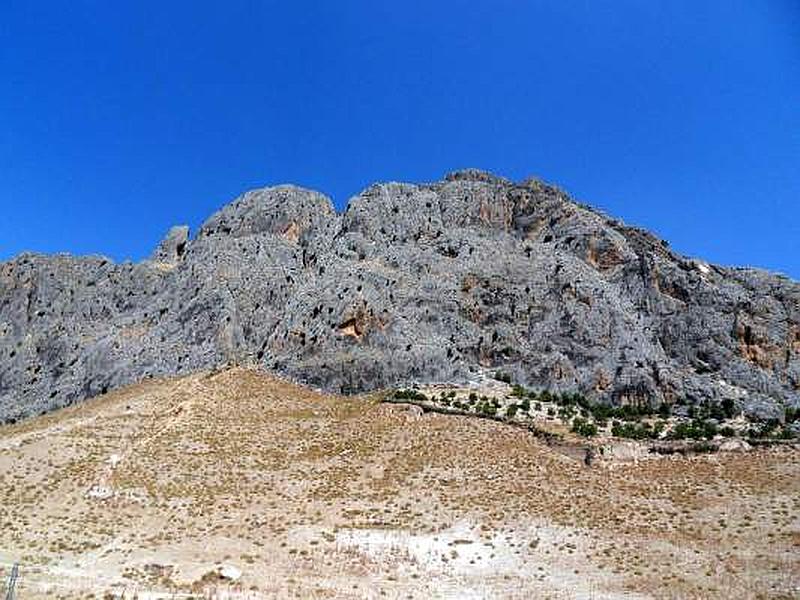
(119, 119)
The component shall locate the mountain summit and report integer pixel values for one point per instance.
(411, 283)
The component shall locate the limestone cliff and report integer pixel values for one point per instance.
(411, 283)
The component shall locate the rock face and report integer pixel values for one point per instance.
(412, 283)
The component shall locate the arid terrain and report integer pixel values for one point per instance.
(155, 488)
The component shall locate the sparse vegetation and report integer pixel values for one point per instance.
(702, 423)
(600, 412)
(589, 419)
(284, 475)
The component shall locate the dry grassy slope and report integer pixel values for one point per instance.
(319, 496)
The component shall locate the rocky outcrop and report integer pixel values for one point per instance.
(412, 283)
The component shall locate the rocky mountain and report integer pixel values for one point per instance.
(412, 283)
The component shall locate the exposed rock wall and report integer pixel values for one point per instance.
(411, 283)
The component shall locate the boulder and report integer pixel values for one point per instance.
(230, 573)
(734, 445)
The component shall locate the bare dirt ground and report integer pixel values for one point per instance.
(152, 489)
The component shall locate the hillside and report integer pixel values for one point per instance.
(156, 488)
(411, 284)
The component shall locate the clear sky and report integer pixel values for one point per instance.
(119, 119)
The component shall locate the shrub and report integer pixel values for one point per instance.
(565, 413)
(518, 391)
(636, 431)
(583, 427)
(628, 412)
(696, 430)
(718, 411)
(729, 408)
(488, 409)
(511, 411)
(410, 395)
(766, 429)
(503, 376)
